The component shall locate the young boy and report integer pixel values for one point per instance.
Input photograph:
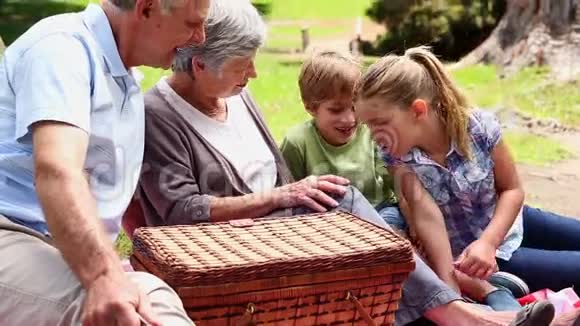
(333, 142)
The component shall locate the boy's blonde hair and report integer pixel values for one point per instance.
(418, 74)
(326, 75)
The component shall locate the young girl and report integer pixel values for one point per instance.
(457, 180)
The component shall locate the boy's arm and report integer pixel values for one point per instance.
(426, 220)
(294, 159)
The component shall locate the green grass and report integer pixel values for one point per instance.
(535, 150)
(296, 9)
(560, 101)
(151, 76)
(276, 91)
(316, 9)
(290, 36)
(528, 91)
(123, 245)
(474, 79)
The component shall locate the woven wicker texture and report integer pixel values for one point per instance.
(217, 253)
(300, 308)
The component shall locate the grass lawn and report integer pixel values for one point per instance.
(276, 90)
(535, 150)
(528, 91)
(123, 245)
(289, 37)
(316, 9)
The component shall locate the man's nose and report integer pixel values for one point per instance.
(198, 36)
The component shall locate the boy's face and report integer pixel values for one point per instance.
(335, 120)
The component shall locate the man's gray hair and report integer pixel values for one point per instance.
(166, 5)
(234, 28)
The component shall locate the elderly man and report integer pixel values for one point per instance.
(71, 145)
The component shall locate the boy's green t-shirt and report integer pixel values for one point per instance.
(307, 153)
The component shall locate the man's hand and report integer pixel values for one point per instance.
(313, 192)
(114, 300)
(478, 260)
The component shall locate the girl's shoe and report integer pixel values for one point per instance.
(508, 281)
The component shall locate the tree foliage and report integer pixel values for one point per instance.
(451, 27)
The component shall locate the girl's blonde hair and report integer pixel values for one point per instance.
(419, 74)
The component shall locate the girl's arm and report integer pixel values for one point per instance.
(510, 196)
(426, 220)
(478, 259)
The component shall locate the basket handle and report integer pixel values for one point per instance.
(247, 318)
(361, 310)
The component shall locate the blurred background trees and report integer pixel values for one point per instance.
(509, 33)
(451, 27)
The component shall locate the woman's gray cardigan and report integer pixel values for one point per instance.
(181, 170)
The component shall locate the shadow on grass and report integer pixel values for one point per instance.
(16, 16)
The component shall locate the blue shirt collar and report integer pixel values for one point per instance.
(454, 149)
(97, 22)
(420, 157)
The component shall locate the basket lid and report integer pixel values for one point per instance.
(245, 250)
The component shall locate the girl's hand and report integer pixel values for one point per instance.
(478, 260)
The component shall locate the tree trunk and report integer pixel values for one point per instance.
(534, 32)
(2, 46)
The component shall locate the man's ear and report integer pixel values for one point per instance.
(420, 109)
(144, 8)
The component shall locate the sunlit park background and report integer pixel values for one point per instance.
(539, 109)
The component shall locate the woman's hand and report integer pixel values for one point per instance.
(478, 260)
(313, 192)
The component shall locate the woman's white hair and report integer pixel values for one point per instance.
(234, 28)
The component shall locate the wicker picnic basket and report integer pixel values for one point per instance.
(319, 269)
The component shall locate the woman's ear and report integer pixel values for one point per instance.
(420, 109)
(197, 65)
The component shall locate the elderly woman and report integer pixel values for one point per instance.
(210, 157)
